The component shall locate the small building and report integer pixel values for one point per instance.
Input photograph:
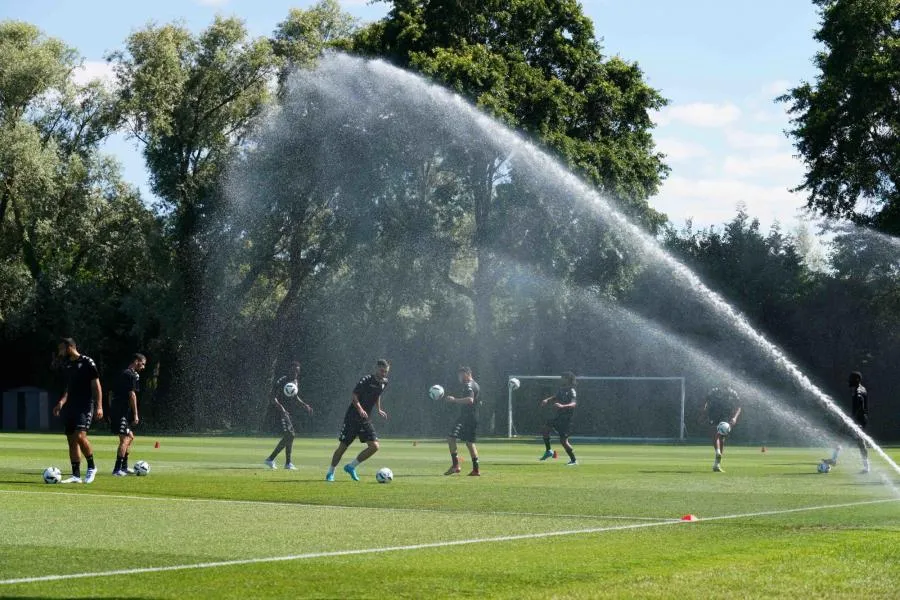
(26, 409)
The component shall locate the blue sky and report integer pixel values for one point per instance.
(720, 64)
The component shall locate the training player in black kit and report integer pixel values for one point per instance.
(281, 397)
(467, 423)
(564, 405)
(82, 396)
(123, 410)
(859, 412)
(722, 404)
(357, 420)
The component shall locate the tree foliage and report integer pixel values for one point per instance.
(846, 124)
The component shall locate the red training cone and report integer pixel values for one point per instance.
(156, 445)
(689, 518)
(555, 455)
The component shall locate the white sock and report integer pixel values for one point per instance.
(354, 463)
(331, 470)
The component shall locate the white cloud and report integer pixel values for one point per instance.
(769, 166)
(94, 69)
(776, 88)
(746, 140)
(699, 114)
(714, 201)
(680, 150)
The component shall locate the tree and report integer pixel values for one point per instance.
(302, 37)
(536, 66)
(192, 100)
(846, 125)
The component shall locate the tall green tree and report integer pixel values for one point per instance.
(537, 66)
(192, 100)
(846, 125)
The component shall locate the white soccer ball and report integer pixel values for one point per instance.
(52, 475)
(436, 392)
(724, 428)
(514, 383)
(141, 468)
(290, 389)
(823, 467)
(384, 475)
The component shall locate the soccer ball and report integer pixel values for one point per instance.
(52, 475)
(824, 467)
(384, 475)
(724, 428)
(141, 468)
(514, 383)
(436, 392)
(290, 389)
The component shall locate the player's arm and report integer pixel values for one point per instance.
(132, 399)
(546, 400)
(354, 401)
(306, 406)
(97, 392)
(381, 412)
(570, 405)
(737, 414)
(62, 402)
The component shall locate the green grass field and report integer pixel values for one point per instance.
(229, 528)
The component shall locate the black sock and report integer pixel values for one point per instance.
(278, 449)
(288, 449)
(118, 464)
(547, 442)
(455, 457)
(76, 468)
(475, 464)
(571, 454)
(90, 461)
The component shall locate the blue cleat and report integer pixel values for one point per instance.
(329, 477)
(351, 471)
(547, 454)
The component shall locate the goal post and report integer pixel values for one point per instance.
(674, 391)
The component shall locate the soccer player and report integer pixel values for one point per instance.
(467, 422)
(281, 399)
(564, 406)
(859, 412)
(357, 420)
(722, 404)
(123, 410)
(82, 396)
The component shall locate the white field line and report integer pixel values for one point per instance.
(446, 544)
(339, 506)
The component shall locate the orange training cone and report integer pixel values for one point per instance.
(689, 518)
(156, 445)
(555, 455)
(763, 450)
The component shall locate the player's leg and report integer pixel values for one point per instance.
(719, 445)
(454, 450)
(367, 452)
(349, 430)
(74, 454)
(864, 453)
(564, 440)
(368, 436)
(473, 454)
(87, 450)
(121, 449)
(545, 433)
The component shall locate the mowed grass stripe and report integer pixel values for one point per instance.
(429, 545)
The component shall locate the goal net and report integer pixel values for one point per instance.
(647, 409)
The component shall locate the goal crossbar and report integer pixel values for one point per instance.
(680, 380)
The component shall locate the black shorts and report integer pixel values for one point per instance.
(286, 425)
(355, 427)
(562, 425)
(120, 425)
(78, 419)
(464, 429)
